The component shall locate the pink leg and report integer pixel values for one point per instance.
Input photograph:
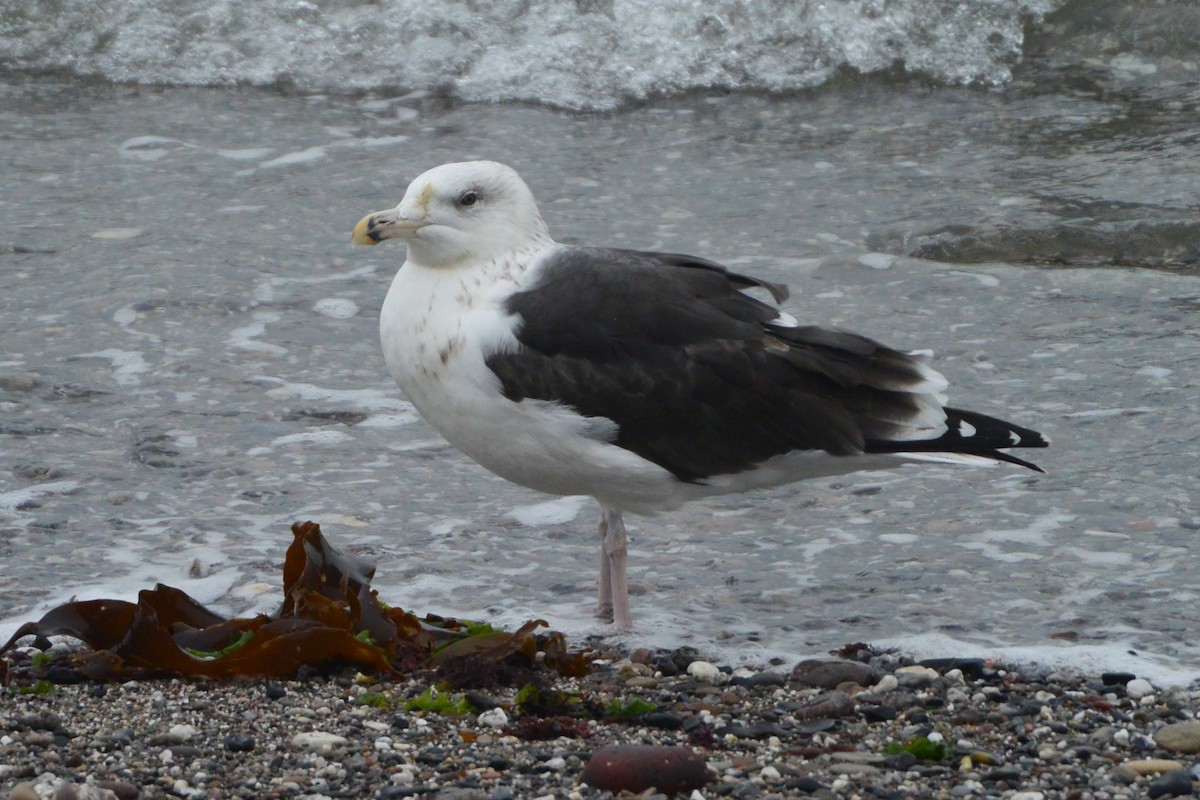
(614, 587)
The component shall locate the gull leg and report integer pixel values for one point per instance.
(604, 600)
(614, 587)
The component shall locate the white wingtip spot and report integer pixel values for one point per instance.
(966, 429)
(785, 320)
(1013, 438)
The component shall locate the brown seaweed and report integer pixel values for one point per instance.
(329, 617)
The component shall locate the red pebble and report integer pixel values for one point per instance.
(638, 767)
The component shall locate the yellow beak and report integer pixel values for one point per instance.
(379, 225)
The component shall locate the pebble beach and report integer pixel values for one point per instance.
(862, 725)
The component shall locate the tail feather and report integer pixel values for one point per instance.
(971, 433)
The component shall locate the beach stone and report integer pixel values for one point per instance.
(1148, 766)
(239, 743)
(1179, 737)
(1176, 783)
(1116, 678)
(916, 676)
(636, 768)
(850, 768)
(493, 718)
(704, 672)
(1139, 688)
(24, 791)
(318, 741)
(828, 705)
(831, 674)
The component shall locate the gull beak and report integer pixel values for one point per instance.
(379, 225)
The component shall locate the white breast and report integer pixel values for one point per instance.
(437, 326)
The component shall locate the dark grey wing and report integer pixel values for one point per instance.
(699, 377)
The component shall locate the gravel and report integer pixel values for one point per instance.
(951, 728)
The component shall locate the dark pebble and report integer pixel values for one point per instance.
(664, 720)
(1116, 678)
(432, 756)
(878, 713)
(815, 725)
(831, 674)
(760, 679)
(64, 675)
(1177, 783)
(636, 768)
(239, 743)
(666, 665)
(1003, 774)
(185, 752)
(44, 721)
(806, 785)
(275, 690)
(830, 704)
(900, 761)
(969, 716)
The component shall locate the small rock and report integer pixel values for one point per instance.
(636, 768)
(704, 672)
(1179, 737)
(831, 674)
(1116, 678)
(493, 718)
(850, 768)
(318, 741)
(1139, 688)
(829, 704)
(1177, 783)
(180, 733)
(887, 683)
(239, 743)
(916, 676)
(1148, 766)
(24, 791)
(878, 713)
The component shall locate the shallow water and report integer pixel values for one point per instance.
(190, 360)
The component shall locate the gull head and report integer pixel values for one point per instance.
(455, 213)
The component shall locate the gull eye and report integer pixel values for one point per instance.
(468, 199)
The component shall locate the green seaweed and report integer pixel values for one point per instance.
(637, 707)
(375, 699)
(41, 687)
(211, 655)
(921, 747)
(432, 700)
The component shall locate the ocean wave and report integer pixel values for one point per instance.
(589, 54)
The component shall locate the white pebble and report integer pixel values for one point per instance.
(705, 672)
(181, 733)
(769, 773)
(1138, 688)
(318, 741)
(558, 763)
(495, 718)
(886, 684)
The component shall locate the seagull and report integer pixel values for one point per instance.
(643, 379)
